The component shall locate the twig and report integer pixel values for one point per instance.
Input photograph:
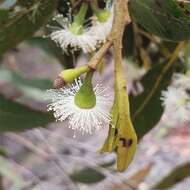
(119, 24)
(96, 59)
(115, 32)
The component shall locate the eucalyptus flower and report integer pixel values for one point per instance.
(102, 23)
(176, 99)
(73, 36)
(85, 107)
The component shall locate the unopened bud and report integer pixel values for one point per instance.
(69, 75)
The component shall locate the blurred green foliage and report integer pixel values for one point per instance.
(17, 117)
(21, 19)
(169, 19)
(32, 88)
(174, 177)
(146, 108)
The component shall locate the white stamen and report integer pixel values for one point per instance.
(176, 100)
(65, 38)
(101, 30)
(83, 120)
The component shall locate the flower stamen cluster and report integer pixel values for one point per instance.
(73, 35)
(176, 99)
(85, 120)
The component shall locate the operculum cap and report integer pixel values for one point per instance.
(69, 75)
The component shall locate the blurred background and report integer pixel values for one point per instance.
(36, 153)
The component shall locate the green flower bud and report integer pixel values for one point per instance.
(69, 75)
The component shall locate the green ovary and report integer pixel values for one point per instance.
(76, 28)
(85, 98)
(103, 16)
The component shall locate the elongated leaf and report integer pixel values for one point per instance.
(17, 117)
(164, 18)
(87, 176)
(146, 108)
(176, 176)
(32, 88)
(22, 20)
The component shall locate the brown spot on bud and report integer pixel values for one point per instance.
(129, 142)
(58, 83)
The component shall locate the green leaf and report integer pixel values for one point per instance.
(87, 176)
(32, 88)
(162, 18)
(17, 117)
(20, 21)
(128, 41)
(176, 176)
(3, 15)
(146, 108)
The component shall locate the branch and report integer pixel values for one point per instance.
(96, 59)
(115, 32)
(119, 24)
